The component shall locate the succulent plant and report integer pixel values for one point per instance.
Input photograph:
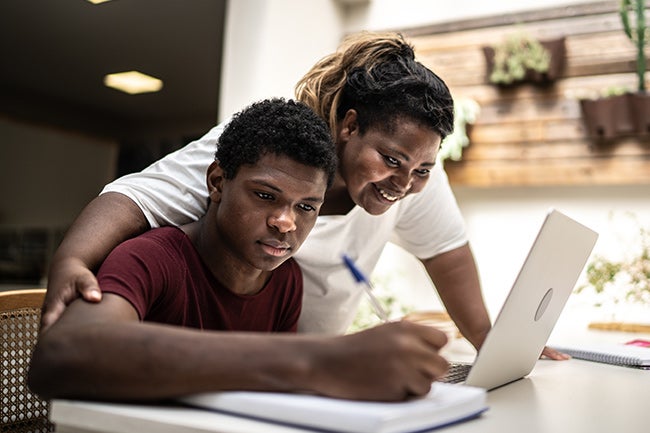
(517, 54)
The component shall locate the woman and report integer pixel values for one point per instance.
(388, 115)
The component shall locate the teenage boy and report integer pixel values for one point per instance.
(224, 282)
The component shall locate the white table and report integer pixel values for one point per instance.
(558, 396)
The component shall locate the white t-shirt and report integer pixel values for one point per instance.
(173, 191)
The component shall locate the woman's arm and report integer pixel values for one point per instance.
(101, 351)
(456, 279)
(104, 223)
(170, 191)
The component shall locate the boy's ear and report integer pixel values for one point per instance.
(215, 180)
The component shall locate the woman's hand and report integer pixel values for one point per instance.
(106, 221)
(553, 354)
(68, 280)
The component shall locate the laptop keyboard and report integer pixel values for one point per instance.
(457, 373)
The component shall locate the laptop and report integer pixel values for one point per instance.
(533, 306)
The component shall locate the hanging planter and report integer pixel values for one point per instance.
(626, 112)
(607, 117)
(520, 58)
(639, 105)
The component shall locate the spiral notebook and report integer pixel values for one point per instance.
(629, 355)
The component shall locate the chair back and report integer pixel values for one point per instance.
(20, 409)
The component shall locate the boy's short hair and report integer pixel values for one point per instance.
(276, 126)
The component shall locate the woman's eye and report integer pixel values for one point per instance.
(264, 195)
(391, 161)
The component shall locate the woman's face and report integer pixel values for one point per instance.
(378, 168)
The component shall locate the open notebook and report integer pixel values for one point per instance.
(536, 299)
(445, 404)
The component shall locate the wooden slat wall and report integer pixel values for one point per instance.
(528, 135)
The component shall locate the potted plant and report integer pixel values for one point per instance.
(521, 58)
(637, 31)
(619, 282)
(466, 111)
(607, 116)
(623, 112)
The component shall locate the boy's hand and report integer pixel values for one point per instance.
(389, 362)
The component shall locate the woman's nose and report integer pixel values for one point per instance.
(403, 181)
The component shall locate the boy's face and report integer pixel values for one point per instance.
(267, 210)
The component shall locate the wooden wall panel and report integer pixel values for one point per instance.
(528, 135)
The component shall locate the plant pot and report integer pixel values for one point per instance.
(557, 49)
(639, 108)
(606, 118)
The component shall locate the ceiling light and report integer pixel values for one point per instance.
(96, 2)
(133, 82)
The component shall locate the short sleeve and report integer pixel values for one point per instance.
(138, 271)
(172, 190)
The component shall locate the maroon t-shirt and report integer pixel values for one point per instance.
(162, 275)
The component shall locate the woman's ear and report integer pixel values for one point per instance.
(215, 179)
(348, 126)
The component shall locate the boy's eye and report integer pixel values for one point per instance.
(423, 172)
(306, 207)
(391, 161)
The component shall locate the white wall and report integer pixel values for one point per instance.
(270, 44)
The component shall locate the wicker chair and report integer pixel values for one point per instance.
(20, 410)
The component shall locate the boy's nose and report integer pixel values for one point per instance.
(283, 220)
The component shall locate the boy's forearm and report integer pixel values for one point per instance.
(142, 361)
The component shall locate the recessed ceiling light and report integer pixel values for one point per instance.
(96, 2)
(133, 82)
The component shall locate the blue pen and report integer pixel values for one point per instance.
(367, 286)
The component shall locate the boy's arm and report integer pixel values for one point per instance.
(101, 351)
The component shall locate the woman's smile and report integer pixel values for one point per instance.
(392, 197)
